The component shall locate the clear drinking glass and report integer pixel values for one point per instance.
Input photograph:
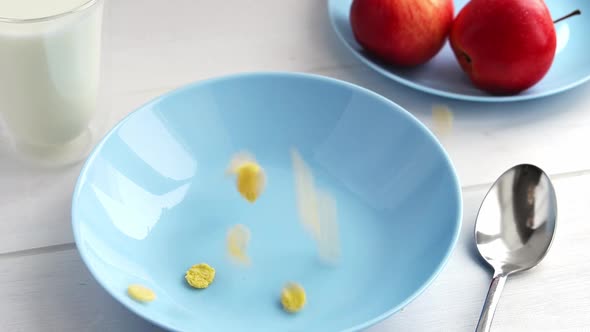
(49, 78)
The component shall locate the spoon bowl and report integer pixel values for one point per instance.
(515, 227)
(516, 222)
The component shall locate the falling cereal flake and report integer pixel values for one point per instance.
(317, 211)
(250, 177)
(238, 238)
(442, 119)
(329, 239)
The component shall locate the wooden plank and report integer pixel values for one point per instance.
(55, 291)
(154, 44)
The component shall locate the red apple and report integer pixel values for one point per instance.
(401, 32)
(505, 46)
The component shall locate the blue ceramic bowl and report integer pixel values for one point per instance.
(153, 199)
(442, 75)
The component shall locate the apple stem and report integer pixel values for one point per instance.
(574, 13)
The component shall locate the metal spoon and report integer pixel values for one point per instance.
(514, 228)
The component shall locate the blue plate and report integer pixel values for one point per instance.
(153, 199)
(442, 75)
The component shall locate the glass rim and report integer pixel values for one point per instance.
(74, 10)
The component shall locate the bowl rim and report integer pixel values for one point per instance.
(278, 75)
(437, 91)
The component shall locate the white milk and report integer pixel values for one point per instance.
(49, 69)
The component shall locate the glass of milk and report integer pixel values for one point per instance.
(49, 76)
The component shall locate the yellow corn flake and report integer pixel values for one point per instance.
(238, 238)
(141, 293)
(250, 181)
(293, 297)
(442, 119)
(317, 211)
(200, 275)
(250, 177)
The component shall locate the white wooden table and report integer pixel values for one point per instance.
(153, 46)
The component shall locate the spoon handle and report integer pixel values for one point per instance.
(487, 313)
